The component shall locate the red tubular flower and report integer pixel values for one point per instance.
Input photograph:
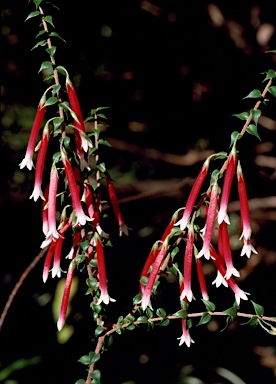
(201, 279)
(183, 222)
(76, 240)
(53, 186)
(28, 159)
(75, 105)
(115, 205)
(150, 260)
(66, 295)
(239, 293)
(45, 224)
(101, 271)
(37, 192)
(225, 250)
(229, 173)
(74, 190)
(185, 337)
(152, 277)
(188, 261)
(245, 216)
(48, 260)
(56, 270)
(210, 222)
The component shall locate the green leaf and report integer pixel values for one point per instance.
(44, 65)
(101, 167)
(229, 320)
(49, 20)
(214, 175)
(84, 360)
(231, 312)
(149, 312)
(252, 129)
(234, 136)
(55, 89)
(42, 32)
(66, 142)
(37, 3)
(93, 357)
(256, 113)
(142, 319)
(92, 283)
(40, 43)
(182, 313)
(258, 309)
(161, 312)
(32, 14)
(51, 51)
(270, 74)
(80, 381)
(104, 142)
(189, 323)
(57, 122)
(252, 321)
(96, 375)
(56, 35)
(272, 90)
(98, 331)
(255, 94)
(144, 280)
(164, 322)
(274, 51)
(242, 116)
(220, 155)
(205, 318)
(52, 100)
(174, 252)
(131, 327)
(209, 305)
(84, 245)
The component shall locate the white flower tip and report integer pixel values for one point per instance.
(231, 271)
(123, 229)
(27, 162)
(60, 324)
(45, 276)
(222, 216)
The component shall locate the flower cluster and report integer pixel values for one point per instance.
(216, 214)
(70, 189)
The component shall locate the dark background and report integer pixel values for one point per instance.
(172, 73)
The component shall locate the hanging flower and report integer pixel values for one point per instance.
(188, 259)
(56, 270)
(245, 216)
(74, 190)
(115, 205)
(218, 261)
(66, 295)
(145, 302)
(210, 222)
(45, 224)
(201, 278)
(80, 128)
(150, 260)
(185, 337)
(225, 250)
(28, 159)
(247, 248)
(229, 173)
(183, 222)
(48, 260)
(53, 186)
(37, 192)
(102, 272)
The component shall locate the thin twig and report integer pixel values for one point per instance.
(19, 283)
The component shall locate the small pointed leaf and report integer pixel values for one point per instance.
(51, 101)
(51, 51)
(256, 113)
(44, 65)
(242, 116)
(258, 309)
(57, 35)
(205, 318)
(32, 14)
(255, 94)
(182, 313)
(49, 20)
(252, 129)
(209, 305)
(272, 90)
